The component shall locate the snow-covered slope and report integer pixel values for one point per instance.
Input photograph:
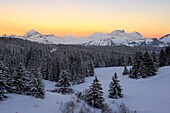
(117, 37)
(166, 39)
(149, 95)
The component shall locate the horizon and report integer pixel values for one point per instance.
(82, 18)
(79, 36)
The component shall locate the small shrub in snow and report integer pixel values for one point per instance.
(125, 72)
(86, 109)
(63, 90)
(122, 108)
(68, 107)
(82, 95)
(106, 109)
(74, 107)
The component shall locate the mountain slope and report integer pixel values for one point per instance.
(117, 37)
(166, 39)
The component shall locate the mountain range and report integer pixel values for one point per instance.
(117, 37)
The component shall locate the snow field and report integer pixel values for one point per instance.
(150, 95)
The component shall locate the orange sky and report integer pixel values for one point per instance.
(151, 18)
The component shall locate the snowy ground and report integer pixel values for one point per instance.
(149, 95)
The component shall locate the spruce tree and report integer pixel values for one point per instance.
(37, 89)
(155, 61)
(154, 57)
(135, 68)
(167, 53)
(115, 90)
(22, 80)
(142, 70)
(2, 83)
(90, 69)
(148, 65)
(63, 82)
(36, 86)
(95, 95)
(162, 58)
(125, 72)
(129, 62)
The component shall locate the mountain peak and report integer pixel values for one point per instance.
(97, 34)
(168, 35)
(31, 33)
(166, 39)
(117, 32)
(137, 34)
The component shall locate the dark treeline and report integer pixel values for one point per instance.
(25, 63)
(78, 60)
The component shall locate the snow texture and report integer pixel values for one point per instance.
(149, 95)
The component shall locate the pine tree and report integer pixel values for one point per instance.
(142, 70)
(155, 61)
(95, 95)
(125, 72)
(3, 83)
(162, 58)
(12, 81)
(167, 53)
(44, 70)
(115, 90)
(154, 57)
(63, 82)
(90, 69)
(130, 71)
(148, 65)
(129, 62)
(22, 80)
(135, 68)
(37, 88)
(5, 76)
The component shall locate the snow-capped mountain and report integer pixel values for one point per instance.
(117, 37)
(166, 39)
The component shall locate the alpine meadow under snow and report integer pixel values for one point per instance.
(84, 56)
(149, 95)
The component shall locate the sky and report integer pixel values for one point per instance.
(80, 18)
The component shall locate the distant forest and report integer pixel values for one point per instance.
(78, 60)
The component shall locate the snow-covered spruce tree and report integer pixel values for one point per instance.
(37, 87)
(90, 69)
(148, 65)
(95, 95)
(125, 72)
(11, 82)
(21, 80)
(76, 68)
(135, 67)
(3, 83)
(162, 58)
(5, 75)
(167, 53)
(154, 58)
(44, 70)
(129, 62)
(115, 90)
(141, 71)
(63, 83)
(130, 71)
